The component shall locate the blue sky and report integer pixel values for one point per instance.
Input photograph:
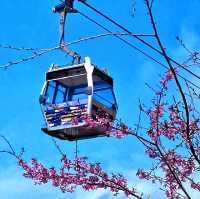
(32, 24)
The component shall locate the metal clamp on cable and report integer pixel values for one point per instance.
(66, 6)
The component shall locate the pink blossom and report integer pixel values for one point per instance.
(76, 173)
(143, 175)
(152, 153)
(195, 186)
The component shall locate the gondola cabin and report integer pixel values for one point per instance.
(70, 93)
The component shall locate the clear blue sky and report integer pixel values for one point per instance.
(32, 24)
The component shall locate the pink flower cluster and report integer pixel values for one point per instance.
(168, 76)
(118, 130)
(195, 186)
(143, 175)
(183, 167)
(155, 114)
(152, 153)
(172, 156)
(75, 173)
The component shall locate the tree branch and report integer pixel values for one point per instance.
(177, 83)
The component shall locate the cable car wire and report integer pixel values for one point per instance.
(138, 38)
(133, 46)
(109, 32)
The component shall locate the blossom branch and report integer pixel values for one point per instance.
(176, 80)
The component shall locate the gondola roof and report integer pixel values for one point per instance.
(66, 71)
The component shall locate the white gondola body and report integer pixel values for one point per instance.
(72, 92)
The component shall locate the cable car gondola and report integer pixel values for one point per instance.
(70, 93)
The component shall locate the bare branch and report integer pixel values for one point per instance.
(177, 83)
(20, 48)
(64, 47)
(8, 143)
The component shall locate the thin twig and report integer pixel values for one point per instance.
(21, 48)
(57, 146)
(8, 143)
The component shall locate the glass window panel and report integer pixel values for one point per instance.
(77, 93)
(78, 97)
(105, 97)
(60, 94)
(50, 91)
(101, 84)
(79, 89)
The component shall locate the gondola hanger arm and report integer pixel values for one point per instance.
(63, 9)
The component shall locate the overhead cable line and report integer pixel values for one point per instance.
(117, 35)
(86, 39)
(133, 46)
(141, 40)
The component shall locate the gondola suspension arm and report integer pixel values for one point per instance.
(63, 9)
